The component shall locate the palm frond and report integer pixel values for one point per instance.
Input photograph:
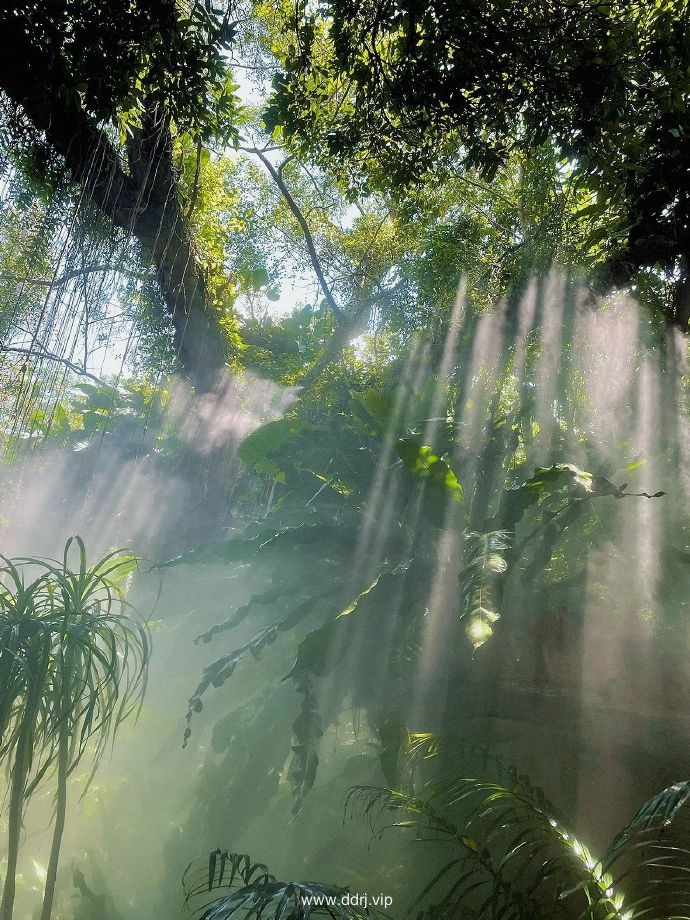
(254, 892)
(514, 859)
(424, 749)
(650, 857)
(223, 870)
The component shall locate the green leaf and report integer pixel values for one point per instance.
(545, 481)
(421, 461)
(394, 738)
(483, 564)
(258, 448)
(307, 731)
(374, 407)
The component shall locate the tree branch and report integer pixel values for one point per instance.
(57, 359)
(76, 273)
(277, 177)
(344, 333)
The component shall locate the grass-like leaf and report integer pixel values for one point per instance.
(73, 666)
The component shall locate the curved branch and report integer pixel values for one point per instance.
(277, 177)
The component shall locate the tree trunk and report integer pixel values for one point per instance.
(143, 202)
(681, 304)
(161, 229)
(61, 807)
(18, 787)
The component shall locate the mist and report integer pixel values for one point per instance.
(578, 683)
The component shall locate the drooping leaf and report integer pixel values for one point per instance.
(241, 613)
(316, 653)
(395, 739)
(221, 670)
(259, 449)
(307, 730)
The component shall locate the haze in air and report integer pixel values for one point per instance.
(344, 416)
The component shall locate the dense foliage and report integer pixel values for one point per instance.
(437, 88)
(110, 59)
(314, 304)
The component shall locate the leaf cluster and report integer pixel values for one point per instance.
(110, 58)
(71, 658)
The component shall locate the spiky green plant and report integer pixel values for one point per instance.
(73, 666)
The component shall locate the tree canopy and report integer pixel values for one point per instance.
(382, 98)
(409, 90)
(74, 74)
